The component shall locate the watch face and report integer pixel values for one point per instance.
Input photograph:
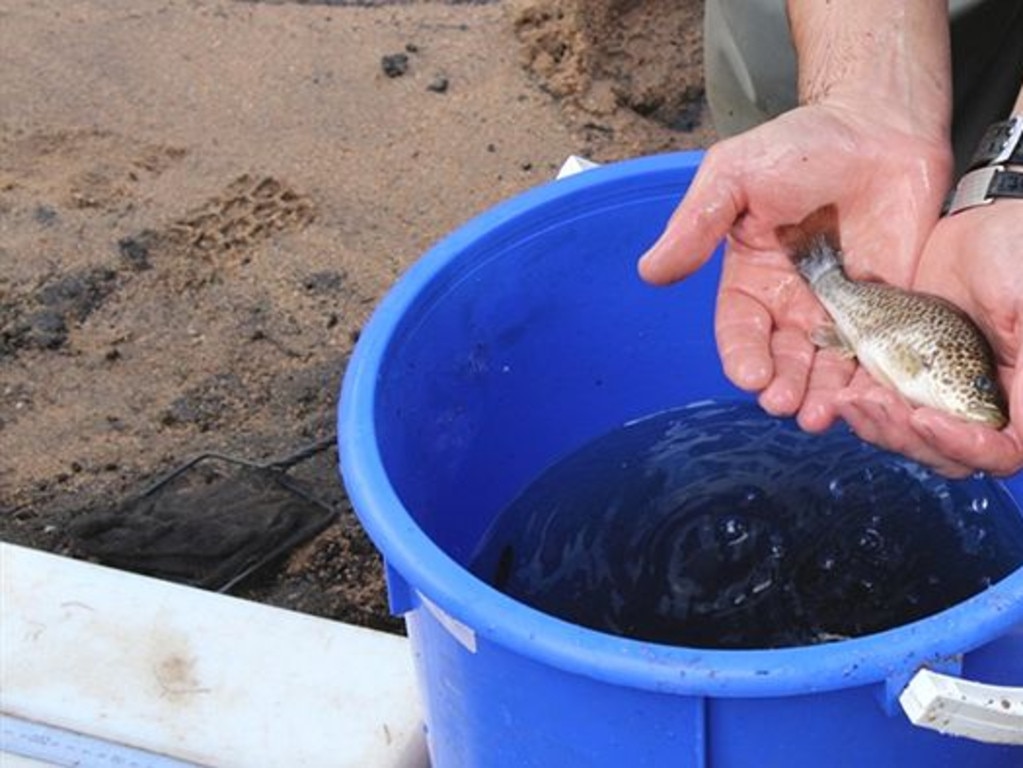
(1002, 143)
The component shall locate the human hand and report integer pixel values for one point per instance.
(887, 180)
(973, 259)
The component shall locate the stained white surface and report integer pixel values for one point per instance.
(196, 675)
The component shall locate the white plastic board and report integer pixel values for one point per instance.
(197, 676)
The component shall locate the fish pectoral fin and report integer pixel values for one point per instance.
(827, 336)
(912, 361)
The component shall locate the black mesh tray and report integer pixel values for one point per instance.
(210, 523)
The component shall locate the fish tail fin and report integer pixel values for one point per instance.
(813, 244)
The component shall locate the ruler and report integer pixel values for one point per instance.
(61, 747)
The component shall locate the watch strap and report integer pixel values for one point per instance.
(982, 186)
(1002, 144)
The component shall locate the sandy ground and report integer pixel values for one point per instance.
(201, 201)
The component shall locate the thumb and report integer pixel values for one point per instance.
(701, 221)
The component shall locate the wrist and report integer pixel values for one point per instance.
(890, 60)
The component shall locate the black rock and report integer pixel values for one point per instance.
(78, 294)
(325, 282)
(135, 249)
(394, 64)
(439, 84)
(47, 329)
(45, 215)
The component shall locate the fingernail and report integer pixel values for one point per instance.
(816, 417)
(651, 266)
(652, 253)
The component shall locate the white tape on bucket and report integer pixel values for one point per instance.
(573, 165)
(988, 713)
(462, 633)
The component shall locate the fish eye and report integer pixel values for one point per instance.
(985, 385)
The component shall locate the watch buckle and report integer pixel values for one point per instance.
(972, 189)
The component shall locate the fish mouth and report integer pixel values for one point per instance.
(991, 416)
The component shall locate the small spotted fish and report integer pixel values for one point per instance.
(923, 346)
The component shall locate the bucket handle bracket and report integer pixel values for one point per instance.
(896, 683)
(950, 705)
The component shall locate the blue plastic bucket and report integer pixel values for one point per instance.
(521, 336)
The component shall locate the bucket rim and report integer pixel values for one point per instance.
(430, 572)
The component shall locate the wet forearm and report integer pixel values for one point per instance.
(894, 55)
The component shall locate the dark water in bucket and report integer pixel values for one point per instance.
(718, 526)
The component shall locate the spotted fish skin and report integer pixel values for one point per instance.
(921, 345)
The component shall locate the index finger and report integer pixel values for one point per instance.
(701, 221)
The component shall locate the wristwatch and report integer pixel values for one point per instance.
(988, 177)
(982, 186)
